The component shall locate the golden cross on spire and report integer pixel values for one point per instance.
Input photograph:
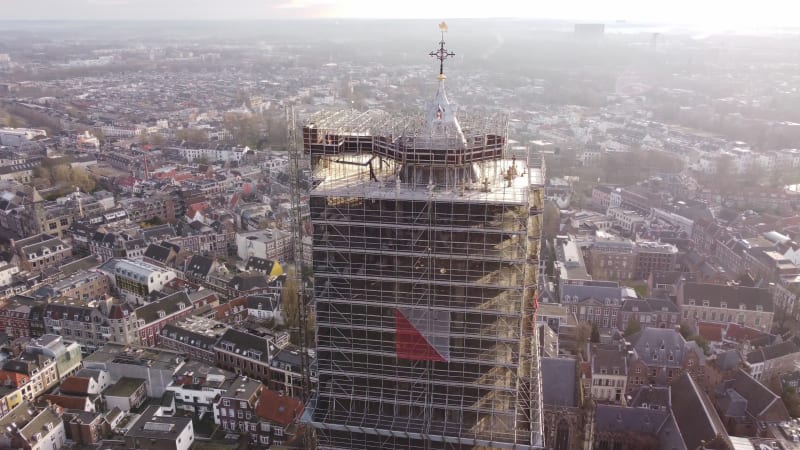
(441, 54)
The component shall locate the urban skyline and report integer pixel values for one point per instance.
(713, 15)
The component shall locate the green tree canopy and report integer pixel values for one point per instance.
(633, 327)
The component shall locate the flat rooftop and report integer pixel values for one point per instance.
(152, 426)
(139, 356)
(125, 387)
(349, 175)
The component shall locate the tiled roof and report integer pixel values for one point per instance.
(169, 305)
(558, 375)
(695, 415)
(734, 296)
(199, 266)
(75, 385)
(67, 401)
(240, 343)
(772, 351)
(158, 253)
(277, 408)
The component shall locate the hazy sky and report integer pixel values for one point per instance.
(708, 13)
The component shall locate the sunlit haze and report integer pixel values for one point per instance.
(711, 14)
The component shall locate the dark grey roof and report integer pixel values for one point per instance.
(169, 304)
(731, 404)
(290, 355)
(694, 413)
(650, 397)
(134, 244)
(263, 302)
(259, 264)
(654, 346)
(158, 253)
(249, 281)
(658, 304)
(577, 293)
(757, 396)
(199, 340)
(158, 232)
(605, 360)
(734, 296)
(199, 266)
(558, 377)
(773, 351)
(729, 360)
(243, 342)
(614, 419)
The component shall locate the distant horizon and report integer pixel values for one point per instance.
(616, 26)
(705, 14)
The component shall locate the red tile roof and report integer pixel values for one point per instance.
(277, 408)
(712, 332)
(740, 333)
(75, 385)
(68, 401)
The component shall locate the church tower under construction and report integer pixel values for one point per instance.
(426, 261)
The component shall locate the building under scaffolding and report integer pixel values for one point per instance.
(426, 260)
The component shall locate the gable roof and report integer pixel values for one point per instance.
(169, 304)
(694, 414)
(277, 408)
(199, 266)
(773, 351)
(159, 253)
(733, 296)
(75, 385)
(577, 293)
(242, 342)
(615, 419)
(761, 402)
(654, 346)
(68, 401)
(558, 374)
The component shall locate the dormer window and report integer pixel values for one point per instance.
(741, 306)
(723, 304)
(705, 303)
(161, 314)
(181, 305)
(691, 302)
(759, 308)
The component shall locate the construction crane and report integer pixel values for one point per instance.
(296, 221)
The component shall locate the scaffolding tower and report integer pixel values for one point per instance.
(426, 262)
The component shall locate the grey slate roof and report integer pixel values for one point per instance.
(654, 346)
(695, 415)
(613, 418)
(773, 351)
(734, 296)
(243, 342)
(168, 304)
(199, 266)
(158, 253)
(558, 375)
(577, 293)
